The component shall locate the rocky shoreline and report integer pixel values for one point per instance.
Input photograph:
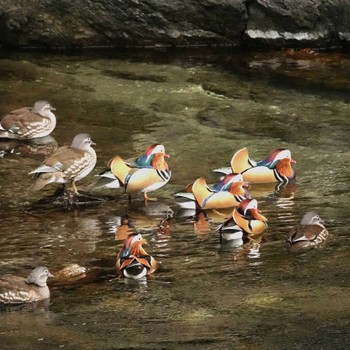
(78, 24)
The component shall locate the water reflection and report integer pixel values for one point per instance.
(201, 108)
(42, 146)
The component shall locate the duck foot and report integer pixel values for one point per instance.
(71, 199)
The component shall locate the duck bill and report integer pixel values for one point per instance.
(256, 215)
(50, 274)
(189, 187)
(293, 161)
(246, 185)
(166, 155)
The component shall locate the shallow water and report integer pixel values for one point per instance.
(203, 106)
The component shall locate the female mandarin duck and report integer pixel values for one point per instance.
(142, 179)
(133, 261)
(310, 233)
(226, 194)
(67, 164)
(109, 180)
(19, 290)
(246, 218)
(276, 167)
(28, 122)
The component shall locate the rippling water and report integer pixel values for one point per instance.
(203, 106)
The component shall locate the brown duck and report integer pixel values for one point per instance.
(28, 122)
(310, 233)
(19, 290)
(67, 164)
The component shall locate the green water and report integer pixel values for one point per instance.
(203, 106)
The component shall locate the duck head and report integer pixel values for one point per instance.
(146, 158)
(277, 155)
(42, 108)
(249, 209)
(227, 181)
(312, 218)
(158, 161)
(133, 239)
(39, 276)
(83, 142)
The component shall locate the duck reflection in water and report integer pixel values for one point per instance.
(42, 146)
(247, 247)
(154, 217)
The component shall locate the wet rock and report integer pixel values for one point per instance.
(313, 23)
(86, 23)
(125, 23)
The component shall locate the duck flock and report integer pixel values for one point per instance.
(147, 173)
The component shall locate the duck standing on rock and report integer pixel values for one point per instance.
(310, 233)
(276, 167)
(142, 179)
(133, 261)
(67, 164)
(19, 290)
(29, 122)
(108, 180)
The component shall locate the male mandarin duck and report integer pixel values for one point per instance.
(226, 194)
(28, 122)
(18, 290)
(109, 180)
(276, 167)
(310, 233)
(145, 179)
(246, 218)
(67, 164)
(133, 261)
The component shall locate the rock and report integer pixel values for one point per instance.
(120, 23)
(134, 23)
(313, 23)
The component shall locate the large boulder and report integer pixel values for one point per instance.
(141, 23)
(298, 22)
(121, 23)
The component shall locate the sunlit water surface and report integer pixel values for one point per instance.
(203, 106)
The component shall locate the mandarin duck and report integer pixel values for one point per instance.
(225, 194)
(144, 179)
(245, 219)
(107, 179)
(70, 272)
(19, 290)
(66, 164)
(310, 233)
(133, 261)
(28, 122)
(276, 167)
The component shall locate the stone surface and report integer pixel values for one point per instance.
(314, 23)
(125, 23)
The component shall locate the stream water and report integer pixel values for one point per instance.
(202, 106)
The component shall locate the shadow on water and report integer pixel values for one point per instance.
(203, 106)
